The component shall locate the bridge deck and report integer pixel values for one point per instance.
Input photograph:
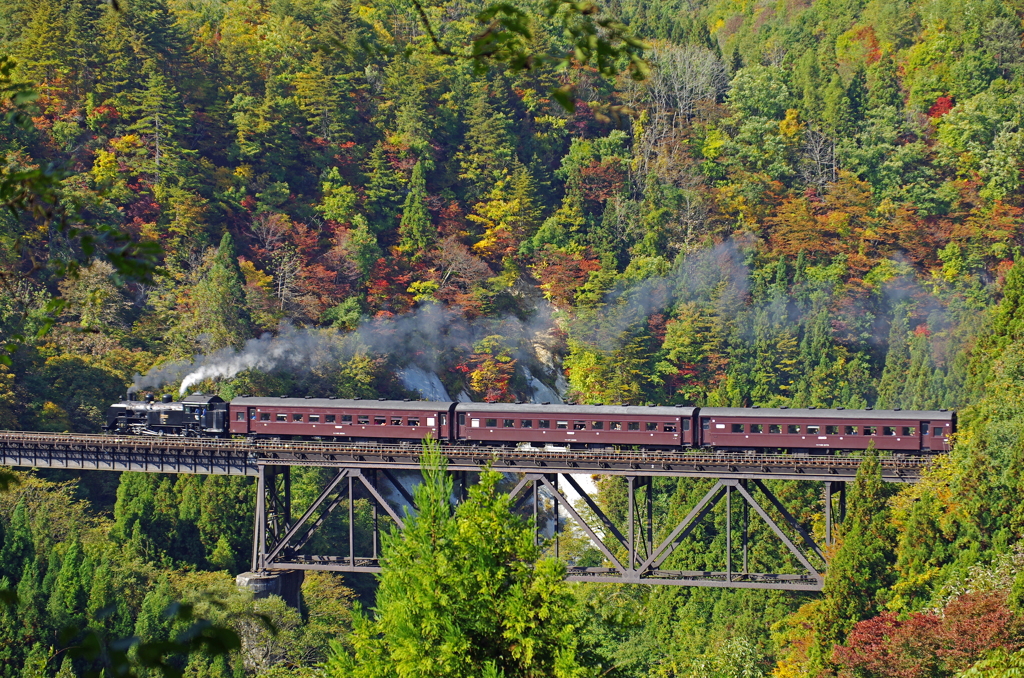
(153, 454)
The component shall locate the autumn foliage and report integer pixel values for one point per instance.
(931, 643)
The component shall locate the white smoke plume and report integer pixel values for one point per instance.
(420, 338)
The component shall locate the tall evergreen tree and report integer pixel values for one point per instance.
(861, 567)
(884, 85)
(488, 154)
(218, 310)
(416, 233)
(67, 599)
(463, 594)
(159, 117)
(897, 362)
(17, 549)
(383, 191)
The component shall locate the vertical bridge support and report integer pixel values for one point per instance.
(278, 540)
(631, 552)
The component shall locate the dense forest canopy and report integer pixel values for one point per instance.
(807, 203)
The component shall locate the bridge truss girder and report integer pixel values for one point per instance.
(631, 550)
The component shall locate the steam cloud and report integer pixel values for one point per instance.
(422, 337)
(419, 338)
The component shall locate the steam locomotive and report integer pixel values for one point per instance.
(533, 426)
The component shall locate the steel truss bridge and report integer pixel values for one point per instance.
(370, 473)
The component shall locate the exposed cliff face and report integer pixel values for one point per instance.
(545, 374)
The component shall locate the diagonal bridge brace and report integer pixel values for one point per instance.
(292, 542)
(650, 569)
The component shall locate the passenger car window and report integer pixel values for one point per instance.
(793, 428)
(346, 419)
(756, 428)
(937, 432)
(264, 416)
(561, 424)
(414, 421)
(579, 425)
(380, 420)
(686, 424)
(544, 423)
(282, 417)
(814, 429)
(296, 416)
(597, 425)
(526, 423)
(652, 426)
(832, 430)
(669, 428)
(396, 421)
(314, 418)
(889, 430)
(737, 428)
(774, 428)
(633, 426)
(331, 418)
(615, 426)
(491, 422)
(364, 419)
(240, 416)
(508, 423)
(851, 430)
(910, 430)
(869, 430)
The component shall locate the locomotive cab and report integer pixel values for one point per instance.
(203, 415)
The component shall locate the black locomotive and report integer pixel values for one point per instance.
(196, 416)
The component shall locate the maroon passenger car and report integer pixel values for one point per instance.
(593, 426)
(895, 430)
(339, 420)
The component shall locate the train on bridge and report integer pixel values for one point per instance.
(538, 426)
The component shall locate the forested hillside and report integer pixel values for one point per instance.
(806, 203)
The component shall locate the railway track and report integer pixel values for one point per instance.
(243, 457)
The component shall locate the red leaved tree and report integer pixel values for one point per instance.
(930, 644)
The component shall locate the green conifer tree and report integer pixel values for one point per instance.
(416, 233)
(362, 245)
(152, 624)
(159, 118)
(383, 191)
(67, 599)
(861, 567)
(41, 45)
(35, 663)
(897, 363)
(884, 89)
(218, 310)
(838, 109)
(488, 154)
(17, 549)
(464, 595)
(857, 94)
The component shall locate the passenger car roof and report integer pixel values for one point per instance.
(340, 404)
(576, 410)
(861, 415)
